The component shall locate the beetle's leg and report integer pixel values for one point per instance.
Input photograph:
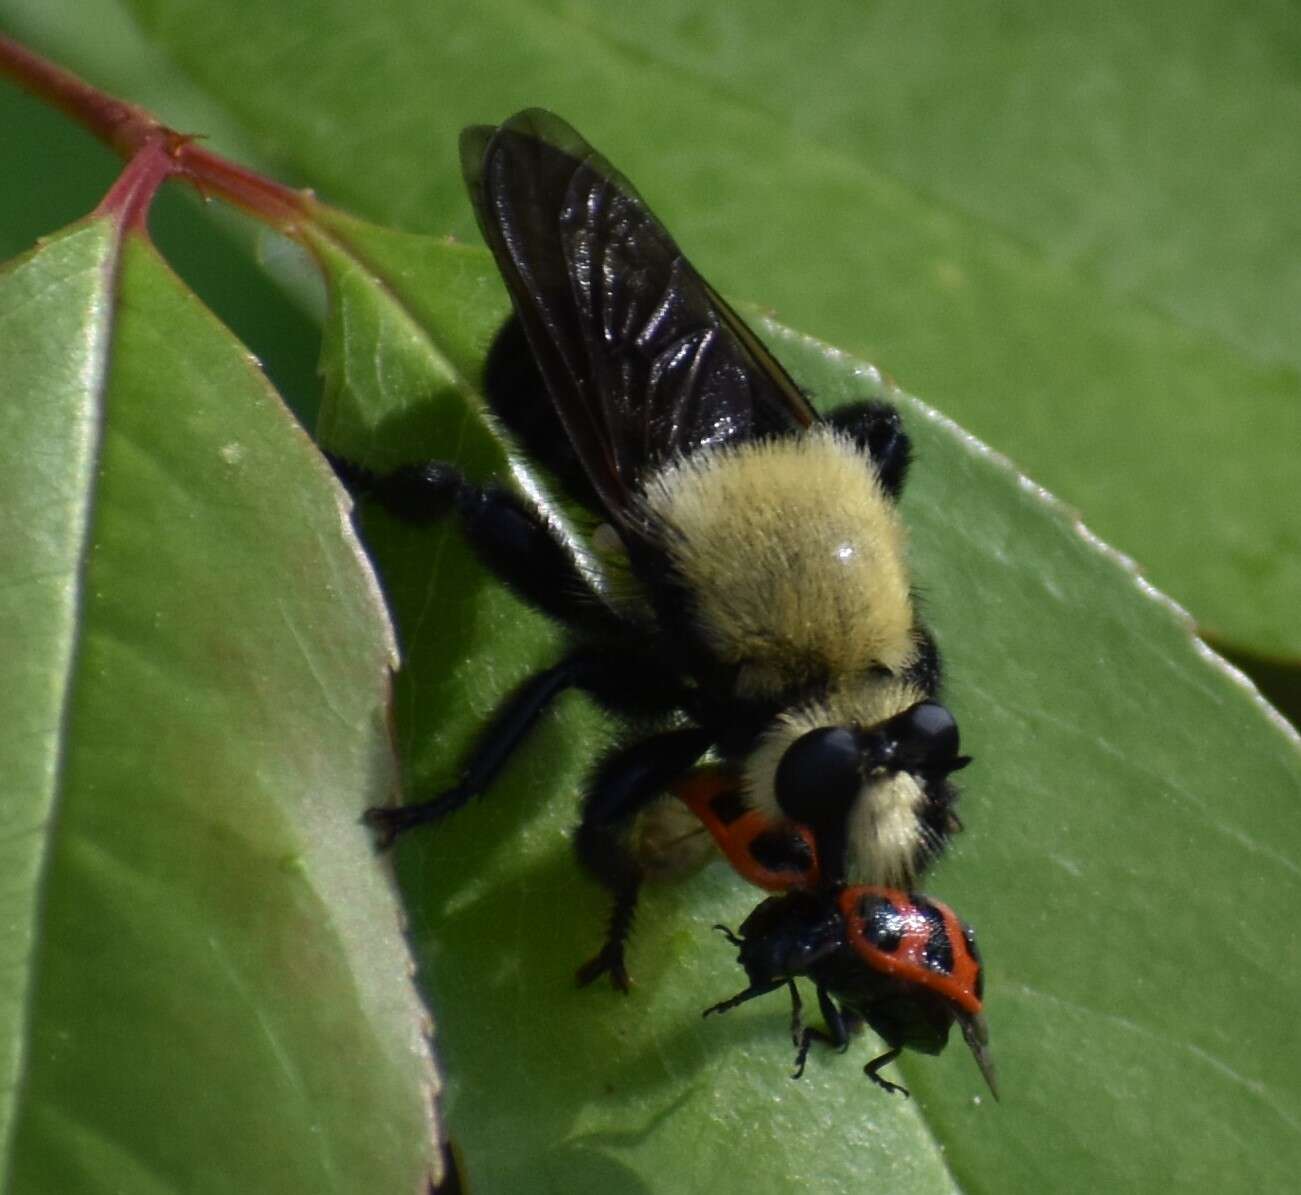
(837, 1029)
(729, 935)
(624, 784)
(797, 1027)
(750, 993)
(872, 1068)
(836, 1034)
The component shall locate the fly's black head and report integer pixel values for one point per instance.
(823, 773)
(820, 775)
(923, 738)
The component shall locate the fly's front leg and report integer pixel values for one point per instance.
(624, 784)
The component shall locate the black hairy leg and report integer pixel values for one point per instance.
(510, 723)
(624, 784)
(598, 671)
(612, 662)
(512, 539)
(876, 427)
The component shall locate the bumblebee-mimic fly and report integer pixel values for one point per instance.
(759, 606)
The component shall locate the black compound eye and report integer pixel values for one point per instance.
(819, 776)
(926, 734)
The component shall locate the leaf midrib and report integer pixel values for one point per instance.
(103, 326)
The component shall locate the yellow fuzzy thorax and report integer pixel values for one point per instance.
(794, 556)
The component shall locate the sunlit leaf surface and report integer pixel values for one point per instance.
(1123, 828)
(205, 988)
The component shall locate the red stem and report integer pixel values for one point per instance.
(129, 198)
(128, 129)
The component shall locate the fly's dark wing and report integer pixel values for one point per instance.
(643, 360)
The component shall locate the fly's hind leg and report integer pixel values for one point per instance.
(517, 543)
(512, 538)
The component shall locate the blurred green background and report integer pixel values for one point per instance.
(1074, 231)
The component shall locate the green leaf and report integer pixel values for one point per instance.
(205, 987)
(1278, 680)
(1112, 317)
(410, 318)
(1073, 232)
(1127, 845)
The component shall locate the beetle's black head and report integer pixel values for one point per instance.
(789, 935)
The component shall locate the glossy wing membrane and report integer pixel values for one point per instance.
(642, 358)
